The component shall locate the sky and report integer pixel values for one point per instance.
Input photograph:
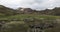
(34, 4)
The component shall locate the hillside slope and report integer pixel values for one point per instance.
(6, 11)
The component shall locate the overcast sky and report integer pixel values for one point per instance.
(34, 4)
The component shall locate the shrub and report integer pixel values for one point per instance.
(14, 27)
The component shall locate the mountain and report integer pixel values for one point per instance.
(25, 10)
(55, 11)
(7, 11)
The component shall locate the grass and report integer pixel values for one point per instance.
(16, 27)
(22, 16)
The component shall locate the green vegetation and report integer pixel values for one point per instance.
(22, 16)
(14, 22)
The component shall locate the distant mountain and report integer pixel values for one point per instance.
(7, 11)
(55, 11)
(25, 10)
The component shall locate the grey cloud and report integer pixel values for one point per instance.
(34, 4)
